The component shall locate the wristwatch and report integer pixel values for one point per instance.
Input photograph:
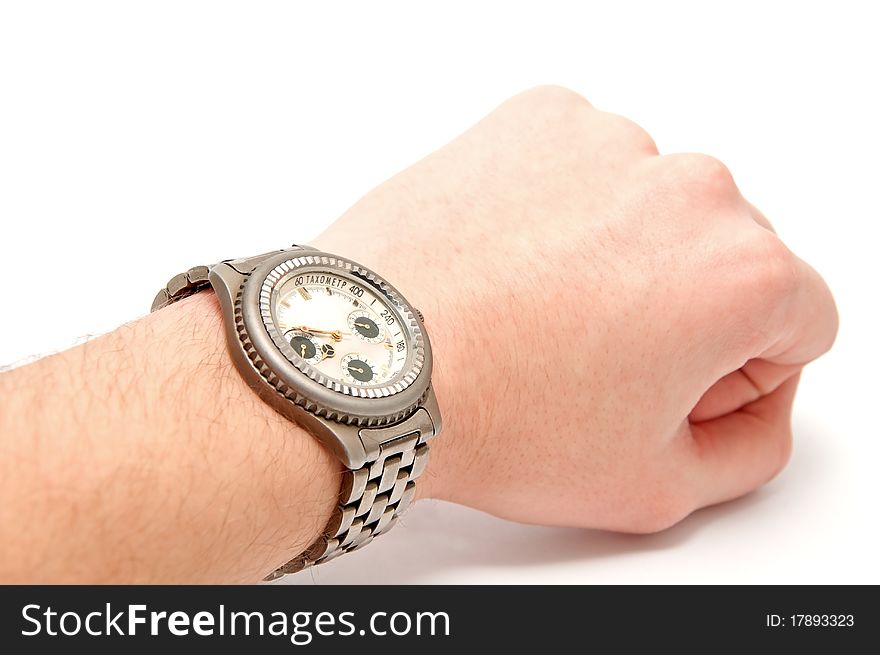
(334, 347)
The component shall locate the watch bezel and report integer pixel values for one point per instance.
(304, 384)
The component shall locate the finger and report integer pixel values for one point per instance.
(804, 329)
(806, 323)
(738, 452)
(735, 390)
(786, 319)
(759, 217)
(626, 134)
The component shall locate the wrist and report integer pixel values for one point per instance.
(449, 462)
(284, 484)
(381, 344)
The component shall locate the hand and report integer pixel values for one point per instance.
(672, 321)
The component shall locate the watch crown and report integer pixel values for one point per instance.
(419, 314)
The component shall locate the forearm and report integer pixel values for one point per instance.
(142, 456)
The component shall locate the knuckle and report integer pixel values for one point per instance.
(757, 274)
(701, 175)
(547, 120)
(554, 98)
(629, 132)
(710, 172)
(772, 266)
(659, 517)
(551, 110)
(659, 507)
(567, 117)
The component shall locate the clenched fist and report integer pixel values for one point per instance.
(618, 334)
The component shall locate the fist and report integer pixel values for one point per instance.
(617, 334)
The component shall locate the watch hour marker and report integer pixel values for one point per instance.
(304, 293)
(329, 291)
(354, 302)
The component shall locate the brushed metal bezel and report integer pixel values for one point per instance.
(305, 385)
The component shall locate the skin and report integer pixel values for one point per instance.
(618, 338)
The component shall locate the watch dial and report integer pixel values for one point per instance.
(341, 327)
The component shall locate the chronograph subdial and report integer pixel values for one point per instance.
(357, 369)
(365, 327)
(323, 318)
(305, 345)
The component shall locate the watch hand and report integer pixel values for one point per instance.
(336, 335)
(355, 368)
(302, 351)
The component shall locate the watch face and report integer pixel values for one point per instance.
(347, 331)
(342, 327)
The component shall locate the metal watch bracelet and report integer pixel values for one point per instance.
(372, 497)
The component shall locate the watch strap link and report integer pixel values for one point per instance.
(195, 279)
(181, 286)
(371, 500)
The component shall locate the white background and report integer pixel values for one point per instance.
(137, 139)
